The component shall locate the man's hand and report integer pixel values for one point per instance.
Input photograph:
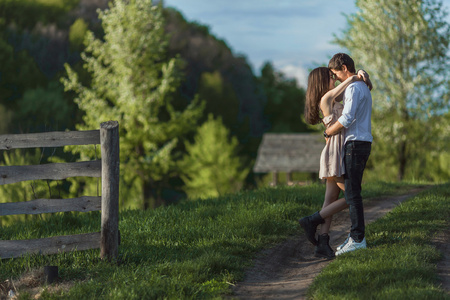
(333, 129)
(327, 137)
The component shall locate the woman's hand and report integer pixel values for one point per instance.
(365, 77)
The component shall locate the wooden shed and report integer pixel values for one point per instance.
(287, 153)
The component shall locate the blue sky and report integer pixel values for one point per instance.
(295, 35)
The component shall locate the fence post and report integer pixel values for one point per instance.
(109, 140)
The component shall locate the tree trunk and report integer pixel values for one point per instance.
(404, 134)
(402, 161)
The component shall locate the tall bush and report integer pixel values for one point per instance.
(133, 81)
(405, 47)
(211, 166)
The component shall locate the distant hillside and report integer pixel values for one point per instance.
(39, 31)
(204, 53)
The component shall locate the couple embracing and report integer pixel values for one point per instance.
(348, 144)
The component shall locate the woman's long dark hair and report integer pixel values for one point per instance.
(318, 85)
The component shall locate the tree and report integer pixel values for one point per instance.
(211, 166)
(220, 100)
(133, 82)
(210, 60)
(76, 34)
(285, 101)
(18, 72)
(44, 109)
(404, 46)
(26, 14)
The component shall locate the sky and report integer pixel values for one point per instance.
(294, 35)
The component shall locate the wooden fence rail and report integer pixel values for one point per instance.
(107, 168)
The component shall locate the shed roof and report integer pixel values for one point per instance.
(297, 152)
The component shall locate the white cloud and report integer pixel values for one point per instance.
(297, 72)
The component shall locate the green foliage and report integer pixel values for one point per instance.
(220, 99)
(400, 262)
(206, 57)
(427, 149)
(77, 33)
(26, 13)
(211, 167)
(133, 82)
(19, 72)
(5, 119)
(404, 46)
(285, 101)
(27, 41)
(45, 108)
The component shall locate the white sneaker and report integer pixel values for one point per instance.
(343, 244)
(352, 246)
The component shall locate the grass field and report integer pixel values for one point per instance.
(400, 262)
(197, 249)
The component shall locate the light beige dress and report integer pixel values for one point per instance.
(332, 157)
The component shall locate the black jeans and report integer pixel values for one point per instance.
(355, 159)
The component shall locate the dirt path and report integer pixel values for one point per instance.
(442, 243)
(287, 270)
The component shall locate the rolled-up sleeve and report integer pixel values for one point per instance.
(351, 97)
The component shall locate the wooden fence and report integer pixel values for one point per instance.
(107, 168)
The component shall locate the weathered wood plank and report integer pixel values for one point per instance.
(55, 171)
(109, 138)
(42, 206)
(49, 139)
(52, 245)
(289, 153)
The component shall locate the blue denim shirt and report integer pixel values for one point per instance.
(357, 113)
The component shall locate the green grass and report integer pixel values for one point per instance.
(400, 262)
(192, 250)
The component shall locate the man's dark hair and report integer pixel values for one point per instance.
(340, 59)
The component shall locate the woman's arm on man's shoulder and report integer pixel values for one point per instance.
(365, 76)
(339, 90)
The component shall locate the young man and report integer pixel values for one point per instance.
(356, 119)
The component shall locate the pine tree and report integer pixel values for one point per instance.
(133, 81)
(211, 166)
(404, 46)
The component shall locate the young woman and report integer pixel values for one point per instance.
(323, 105)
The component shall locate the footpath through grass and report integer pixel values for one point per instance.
(400, 261)
(197, 249)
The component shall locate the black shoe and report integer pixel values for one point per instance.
(323, 248)
(309, 225)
